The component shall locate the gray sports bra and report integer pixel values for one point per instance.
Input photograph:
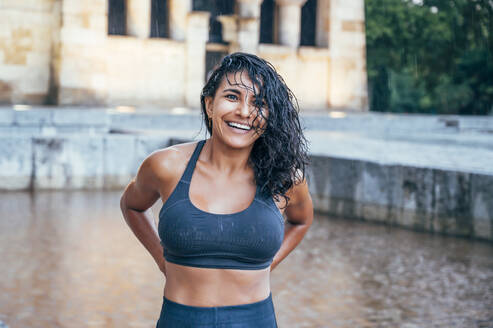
(245, 240)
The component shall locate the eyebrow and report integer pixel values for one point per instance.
(232, 90)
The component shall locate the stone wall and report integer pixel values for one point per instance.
(423, 199)
(27, 45)
(305, 70)
(347, 44)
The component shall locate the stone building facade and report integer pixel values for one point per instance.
(157, 52)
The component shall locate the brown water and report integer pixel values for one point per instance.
(69, 260)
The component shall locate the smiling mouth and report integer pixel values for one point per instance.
(240, 126)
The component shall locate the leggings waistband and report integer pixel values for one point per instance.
(220, 314)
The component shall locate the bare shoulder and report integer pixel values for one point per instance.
(170, 162)
(157, 176)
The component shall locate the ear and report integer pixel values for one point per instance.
(208, 105)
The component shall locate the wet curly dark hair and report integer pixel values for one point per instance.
(280, 155)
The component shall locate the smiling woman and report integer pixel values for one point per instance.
(221, 228)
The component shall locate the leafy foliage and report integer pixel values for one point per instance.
(430, 56)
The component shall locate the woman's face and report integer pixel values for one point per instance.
(233, 111)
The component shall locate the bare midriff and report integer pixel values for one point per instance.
(209, 287)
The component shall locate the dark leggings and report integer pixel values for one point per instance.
(258, 314)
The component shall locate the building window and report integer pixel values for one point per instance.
(117, 14)
(308, 23)
(267, 20)
(159, 19)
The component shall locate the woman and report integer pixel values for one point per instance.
(221, 228)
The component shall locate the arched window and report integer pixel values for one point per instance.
(159, 19)
(308, 23)
(267, 21)
(117, 23)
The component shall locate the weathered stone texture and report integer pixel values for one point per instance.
(347, 45)
(146, 144)
(146, 72)
(6, 117)
(25, 50)
(15, 163)
(197, 36)
(422, 199)
(74, 162)
(119, 160)
(482, 205)
(37, 117)
(417, 200)
(336, 186)
(90, 117)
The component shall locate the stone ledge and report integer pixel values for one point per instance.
(423, 199)
(420, 198)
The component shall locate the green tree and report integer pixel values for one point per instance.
(434, 55)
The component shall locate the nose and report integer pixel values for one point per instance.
(244, 110)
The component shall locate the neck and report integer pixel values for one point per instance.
(226, 159)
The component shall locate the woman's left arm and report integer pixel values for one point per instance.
(299, 214)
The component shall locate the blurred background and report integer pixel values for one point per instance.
(396, 99)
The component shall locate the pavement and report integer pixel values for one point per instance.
(462, 153)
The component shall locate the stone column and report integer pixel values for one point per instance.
(139, 18)
(249, 8)
(230, 30)
(197, 35)
(248, 25)
(289, 22)
(347, 44)
(178, 13)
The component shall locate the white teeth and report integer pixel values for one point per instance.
(239, 126)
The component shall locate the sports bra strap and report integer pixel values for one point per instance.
(187, 175)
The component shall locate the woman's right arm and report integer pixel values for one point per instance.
(139, 195)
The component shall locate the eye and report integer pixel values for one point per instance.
(232, 96)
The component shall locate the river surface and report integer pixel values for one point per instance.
(69, 260)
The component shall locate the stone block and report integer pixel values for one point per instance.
(71, 162)
(14, 130)
(81, 129)
(345, 190)
(318, 176)
(381, 192)
(482, 205)
(34, 117)
(93, 117)
(417, 198)
(452, 202)
(321, 204)
(146, 144)
(119, 160)
(15, 162)
(158, 121)
(6, 116)
(345, 178)
(130, 82)
(345, 208)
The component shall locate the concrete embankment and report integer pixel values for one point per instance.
(429, 173)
